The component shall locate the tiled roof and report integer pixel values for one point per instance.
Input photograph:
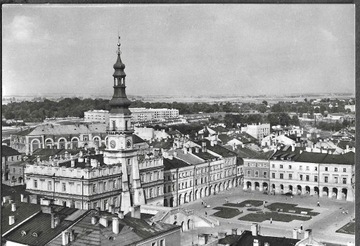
(8, 151)
(40, 224)
(137, 139)
(342, 144)
(131, 231)
(247, 239)
(23, 212)
(224, 152)
(174, 163)
(310, 157)
(50, 129)
(162, 144)
(188, 158)
(348, 158)
(205, 155)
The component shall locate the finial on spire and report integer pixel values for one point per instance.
(118, 44)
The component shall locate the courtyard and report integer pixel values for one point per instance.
(277, 215)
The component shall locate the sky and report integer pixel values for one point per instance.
(180, 50)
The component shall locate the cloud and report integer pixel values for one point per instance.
(25, 29)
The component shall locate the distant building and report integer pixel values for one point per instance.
(96, 116)
(258, 131)
(11, 166)
(298, 172)
(350, 107)
(137, 115)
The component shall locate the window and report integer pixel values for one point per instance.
(265, 173)
(344, 170)
(315, 179)
(290, 166)
(94, 188)
(335, 169)
(35, 183)
(307, 178)
(128, 161)
(301, 177)
(153, 244)
(290, 176)
(326, 179)
(281, 176)
(326, 169)
(256, 173)
(104, 186)
(273, 175)
(248, 173)
(150, 193)
(49, 185)
(315, 168)
(94, 205)
(281, 166)
(307, 168)
(78, 188)
(300, 167)
(162, 242)
(64, 187)
(158, 191)
(336, 180)
(273, 165)
(344, 180)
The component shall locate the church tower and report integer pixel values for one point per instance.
(119, 147)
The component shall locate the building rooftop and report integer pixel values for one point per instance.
(174, 163)
(8, 151)
(220, 150)
(247, 239)
(51, 129)
(38, 229)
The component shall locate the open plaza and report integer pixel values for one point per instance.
(331, 220)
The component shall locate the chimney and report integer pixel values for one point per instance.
(234, 231)
(33, 198)
(73, 163)
(202, 239)
(203, 146)
(256, 242)
(175, 154)
(65, 238)
(307, 233)
(135, 212)
(103, 221)
(72, 235)
(13, 207)
(266, 244)
(93, 220)
(196, 149)
(221, 235)
(212, 142)
(11, 219)
(255, 229)
(115, 225)
(185, 150)
(295, 233)
(21, 197)
(111, 209)
(121, 215)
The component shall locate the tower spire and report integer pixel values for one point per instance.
(119, 102)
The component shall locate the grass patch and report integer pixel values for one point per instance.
(254, 209)
(260, 217)
(290, 207)
(254, 203)
(349, 228)
(226, 213)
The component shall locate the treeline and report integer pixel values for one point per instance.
(283, 119)
(75, 107)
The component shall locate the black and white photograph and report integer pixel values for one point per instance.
(178, 124)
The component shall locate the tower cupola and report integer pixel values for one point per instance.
(119, 102)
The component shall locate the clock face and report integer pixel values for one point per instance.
(112, 144)
(128, 143)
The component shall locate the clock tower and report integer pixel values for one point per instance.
(119, 147)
